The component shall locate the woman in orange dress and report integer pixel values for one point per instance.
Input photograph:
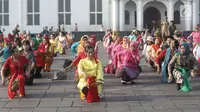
(80, 47)
(16, 65)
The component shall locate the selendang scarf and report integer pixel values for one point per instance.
(186, 84)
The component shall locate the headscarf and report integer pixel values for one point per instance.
(135, 44)
(160, 40)
(80, 47)
(81, 41)
(93, 37)
(118, 37)
(10, 37)
(187, 47)
(125, 45)
(157, 46)
(42, 48)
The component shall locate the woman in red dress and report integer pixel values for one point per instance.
(47, 50)
(15, 64)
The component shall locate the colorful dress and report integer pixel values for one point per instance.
(31, 57)
(74, 48)
(6, 53)
(183, 65)
(90, 69)
(196, 37)
(48, 50)
(54, 44)
(62, 43)
(17, 71)
(166, 55)
(117, 49)
(128, 62)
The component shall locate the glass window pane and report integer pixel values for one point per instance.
(6, 6)
(135, 18)
(199, 5)
(37, 19)
(67, 6)
(29, 19)
(99, 19)
(68, 19)
(1, 20)
(92, 19)
(1, 6)
(6, 20)
(37, 6)
(127, 17)
(92, 5)
(30, 5)
(99, 5)
(60, 6)
(60, 18)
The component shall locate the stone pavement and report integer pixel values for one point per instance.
(147, 95)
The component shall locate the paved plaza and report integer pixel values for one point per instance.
(147, 95)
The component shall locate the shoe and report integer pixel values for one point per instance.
(178, 86)
(21, 96)
(123, 82)
(132, 82)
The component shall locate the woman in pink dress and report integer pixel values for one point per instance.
(112, 46)
(195, 36)
(124, 45)
(128, 61)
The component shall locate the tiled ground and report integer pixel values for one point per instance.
(147, 95)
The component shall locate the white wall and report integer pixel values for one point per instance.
(49, 16)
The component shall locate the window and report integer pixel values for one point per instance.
(177, 17)
(199, 12)
(127, 17)
(135, 18)
(96, 15)
(4, 12)
(33, 15)
(165, 13)
(64, 12)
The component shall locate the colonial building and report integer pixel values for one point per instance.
(91, 15)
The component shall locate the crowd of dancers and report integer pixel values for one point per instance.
(25, 56)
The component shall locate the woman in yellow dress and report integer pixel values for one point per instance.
(53, 42)
(80, 47)
(62, 43)
(90, 69)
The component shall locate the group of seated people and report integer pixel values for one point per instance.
(24, 56)
(176, 58)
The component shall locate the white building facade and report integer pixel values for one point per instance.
(90, 15)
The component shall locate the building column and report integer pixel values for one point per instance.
(122, 15)
(21, 15)
(170, 12)
(188, 16)
(195, 13)
(115, 17)
(140, 16)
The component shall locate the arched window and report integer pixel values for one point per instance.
(177, 17)
(127, 17)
